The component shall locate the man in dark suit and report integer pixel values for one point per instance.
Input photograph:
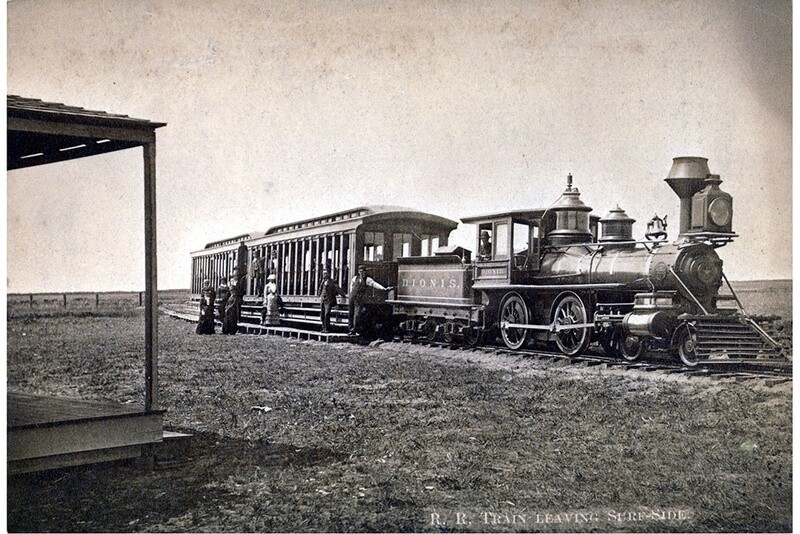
(358, 294)
(328, 290)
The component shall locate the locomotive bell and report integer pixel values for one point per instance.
(617, 227)
(687, 177)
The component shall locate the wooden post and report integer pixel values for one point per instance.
(282, 269)
(97, 301)
(65, 300)
(342, 259)
(293, 246)
(140, 299)
(306, 265)
(249, 265)
(325, 256)
(287, 275)
(151, 281)
(31, 301)
(317, 265)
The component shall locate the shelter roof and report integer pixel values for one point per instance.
(42, 132)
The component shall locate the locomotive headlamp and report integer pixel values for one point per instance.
(712, 208)
(720, 211)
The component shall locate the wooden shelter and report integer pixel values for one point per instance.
(45, 432)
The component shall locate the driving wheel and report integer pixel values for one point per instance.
(569, 311)
(514, 311)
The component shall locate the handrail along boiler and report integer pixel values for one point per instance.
(544, 274)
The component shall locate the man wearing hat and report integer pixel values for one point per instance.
(485, 247)
(223, 294)
(328, 290)
(358, 293)
(270, 312)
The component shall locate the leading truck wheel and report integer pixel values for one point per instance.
(687, 345)
(514, 311)
(569, 311)
(632, 348)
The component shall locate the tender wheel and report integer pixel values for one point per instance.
(633, 348)
(449, 329)
(429, 330)
(570, 310)
(472, 336)
(514, 310)
(412, 333)
(687, 345)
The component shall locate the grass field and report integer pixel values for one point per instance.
(306, 436)
(765, 297)
(109, 303)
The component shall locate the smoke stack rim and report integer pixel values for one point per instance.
(687, 175)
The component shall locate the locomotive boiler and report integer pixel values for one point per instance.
(550, 275)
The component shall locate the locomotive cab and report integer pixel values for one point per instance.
(508, 247)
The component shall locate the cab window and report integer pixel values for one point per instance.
(500, 241)
(485, 241)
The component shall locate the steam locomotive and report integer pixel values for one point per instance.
(544, 275)
(541, 275)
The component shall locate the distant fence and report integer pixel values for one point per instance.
(87, 301)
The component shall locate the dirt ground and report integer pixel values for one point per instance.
(307, 436)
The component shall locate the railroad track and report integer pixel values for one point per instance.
(778, 370)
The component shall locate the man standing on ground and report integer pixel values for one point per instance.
(358, 293)
(328, 290)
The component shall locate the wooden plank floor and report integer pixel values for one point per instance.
(49, 432)
(26, 410)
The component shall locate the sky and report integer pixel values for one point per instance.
(280, 111)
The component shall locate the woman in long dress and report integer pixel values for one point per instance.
(270, 314)
(233, 308)
(205, 324)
